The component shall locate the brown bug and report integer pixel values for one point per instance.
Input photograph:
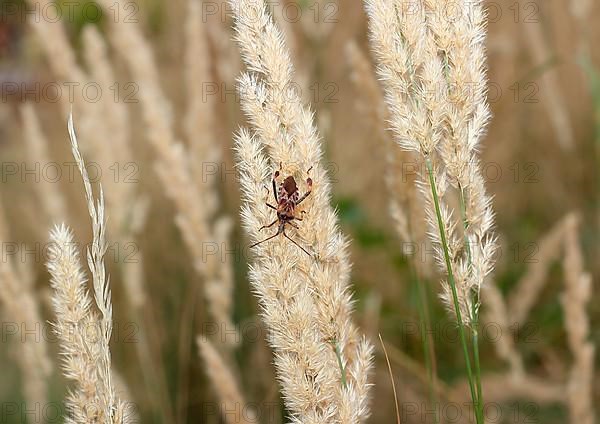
(288, 198)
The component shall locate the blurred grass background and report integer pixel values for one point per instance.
(539, 182)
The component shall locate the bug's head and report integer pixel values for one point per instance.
(289, 185)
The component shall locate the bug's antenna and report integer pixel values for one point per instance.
(262, 241)
(293, 241)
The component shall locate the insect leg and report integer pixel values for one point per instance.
(269, 226)
(271, 206)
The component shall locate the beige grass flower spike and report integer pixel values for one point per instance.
(83, 333)
(322, 362)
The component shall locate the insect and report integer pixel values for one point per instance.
(287, 198)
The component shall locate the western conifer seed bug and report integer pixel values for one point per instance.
(287, 198)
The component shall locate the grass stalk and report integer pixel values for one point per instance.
(387, 360)
(477, 366)
(338, 354)
(452, 283)
(475, 309)
(428, 348)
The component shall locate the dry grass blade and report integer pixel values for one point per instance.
(387, 360)
(95, 256)
(87, 359)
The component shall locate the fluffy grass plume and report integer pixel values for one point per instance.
(322, 363)
(528, 289)
(432, 67)
(404, 198)
(52, 200)
(55, 42)
(21, 309)
(181, 169)
(233, 406)
(84, 332)
(561, 240)
(205, 152)
(577, 294)
(195, 200)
